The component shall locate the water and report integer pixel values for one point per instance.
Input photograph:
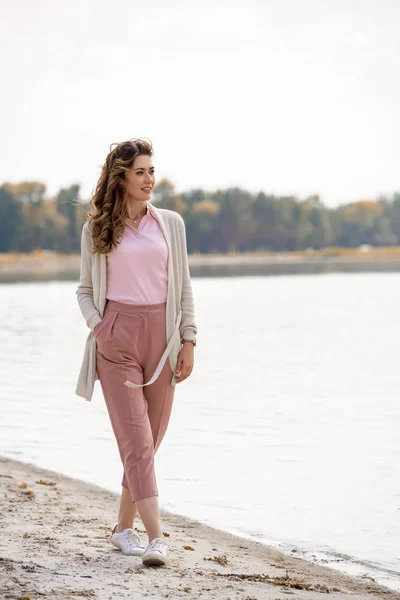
(287, 431)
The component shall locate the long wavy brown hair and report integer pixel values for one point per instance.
(107, 203)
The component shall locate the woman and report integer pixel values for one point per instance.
(136, 297)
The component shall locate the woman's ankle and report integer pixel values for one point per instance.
(118, 528)
(153, 536)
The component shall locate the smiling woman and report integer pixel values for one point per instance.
(136, 296)
(125, 183)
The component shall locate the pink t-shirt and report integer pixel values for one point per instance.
(137, 269)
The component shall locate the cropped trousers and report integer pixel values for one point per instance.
(130, 341)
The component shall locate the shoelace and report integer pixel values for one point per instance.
(157, 544)
(131, 537)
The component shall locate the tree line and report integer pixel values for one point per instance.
(231, 220)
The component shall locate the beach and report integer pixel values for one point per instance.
(55, 544)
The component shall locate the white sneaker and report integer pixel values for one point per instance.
(156, 553)
(128, 542)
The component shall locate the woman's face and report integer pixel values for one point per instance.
(139, 177)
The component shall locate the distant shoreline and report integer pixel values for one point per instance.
(46, 265)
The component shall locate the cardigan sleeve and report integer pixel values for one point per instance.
(84, 290)
(188, 327)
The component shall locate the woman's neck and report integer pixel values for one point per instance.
(136, 210)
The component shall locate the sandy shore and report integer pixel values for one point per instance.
(54, 544)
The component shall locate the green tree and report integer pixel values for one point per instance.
(164, 196)
(11, 219)
(200, 224)
(234, 225)
(314, 225)
(67, 204)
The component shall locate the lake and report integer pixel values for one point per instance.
(286, 432)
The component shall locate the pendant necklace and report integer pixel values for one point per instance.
(136, 220)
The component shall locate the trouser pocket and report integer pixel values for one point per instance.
(104, 328)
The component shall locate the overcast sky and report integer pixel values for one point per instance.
(284, 96)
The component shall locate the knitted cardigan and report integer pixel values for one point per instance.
(92, 289)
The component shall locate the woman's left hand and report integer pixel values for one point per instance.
(184, 365)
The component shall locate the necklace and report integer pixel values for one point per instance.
(137, 218)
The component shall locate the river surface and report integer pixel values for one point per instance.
(287, 431)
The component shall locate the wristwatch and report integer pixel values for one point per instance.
(191, 341)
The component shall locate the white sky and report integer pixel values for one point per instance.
(283, 96)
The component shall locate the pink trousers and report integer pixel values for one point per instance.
(130, 342)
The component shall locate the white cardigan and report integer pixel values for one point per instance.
(92, 290)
